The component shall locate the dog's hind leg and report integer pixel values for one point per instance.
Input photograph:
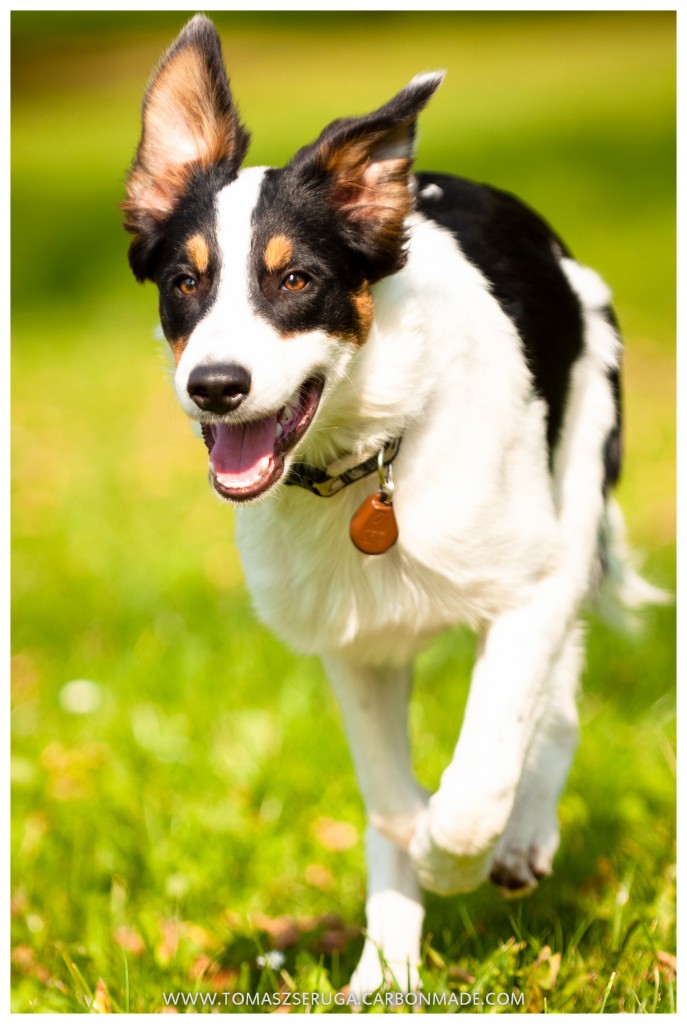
(525, 852)
(374, 703)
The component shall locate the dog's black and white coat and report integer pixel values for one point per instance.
(316, 313)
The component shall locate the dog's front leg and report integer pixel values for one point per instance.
(374, 703)
(394, 913)
(453, 846)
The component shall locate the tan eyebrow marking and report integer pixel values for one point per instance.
(278, 252)
(198, 252)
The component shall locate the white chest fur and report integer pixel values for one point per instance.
(472, 499)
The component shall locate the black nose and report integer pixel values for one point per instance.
(219, 387)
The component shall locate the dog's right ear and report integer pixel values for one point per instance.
(190, 126)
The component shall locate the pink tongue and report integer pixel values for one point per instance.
(243, 452)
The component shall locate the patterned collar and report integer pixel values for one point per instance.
(319, 482)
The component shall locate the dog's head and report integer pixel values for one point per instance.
(264, 274)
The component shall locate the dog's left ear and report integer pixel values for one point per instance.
(362, 166)
(190, 127)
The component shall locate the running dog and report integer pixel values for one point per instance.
(410, 390)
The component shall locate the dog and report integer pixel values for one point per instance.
(410, 391)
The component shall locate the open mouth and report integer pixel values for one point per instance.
(246, 459)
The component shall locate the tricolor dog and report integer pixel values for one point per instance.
(410, 390)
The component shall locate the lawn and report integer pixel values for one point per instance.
(184, 804)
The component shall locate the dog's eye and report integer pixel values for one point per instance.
(187, 285)
(295, 281)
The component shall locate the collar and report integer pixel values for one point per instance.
(319, 482)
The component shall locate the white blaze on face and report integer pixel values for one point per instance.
(221, 336)
(232, 332)
(249, 446)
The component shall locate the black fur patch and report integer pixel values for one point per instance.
(518, 254)
(289, 206)
(196, 214)
(613, 449)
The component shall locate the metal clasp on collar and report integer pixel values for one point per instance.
(386, 478)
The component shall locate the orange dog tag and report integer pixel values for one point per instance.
(373, 526)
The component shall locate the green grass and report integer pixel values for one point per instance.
(168, 838)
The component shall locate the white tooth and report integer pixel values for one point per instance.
(279, 430)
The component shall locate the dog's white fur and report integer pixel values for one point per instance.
(486, 538)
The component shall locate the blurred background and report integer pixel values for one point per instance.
(181, 781)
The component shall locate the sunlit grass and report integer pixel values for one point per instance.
(203, 809)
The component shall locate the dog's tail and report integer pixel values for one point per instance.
(622, 592)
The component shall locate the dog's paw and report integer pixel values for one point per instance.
(523, 856)
(375, 973)
(517, 871)
(513, 874)
(445, 869)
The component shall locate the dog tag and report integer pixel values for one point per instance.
(373, 526)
